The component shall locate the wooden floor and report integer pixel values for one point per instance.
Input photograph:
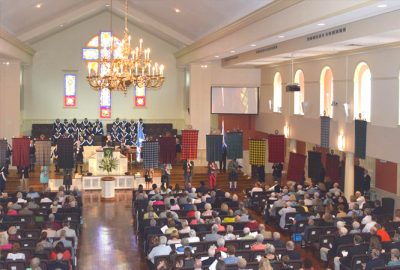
(108, 240)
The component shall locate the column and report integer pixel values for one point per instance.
(10, 94)
(349, 175)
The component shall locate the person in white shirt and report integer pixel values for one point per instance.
(307, 200)
(15, 253)
(229, 233)
(283, 212)
(360, 199)
(185, 227)
(50, 232)
(192, 237)
(161, 249)
(368, 226)
(20, 198)
(335, 188)
(68, 232)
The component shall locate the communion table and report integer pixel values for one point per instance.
(95, 159)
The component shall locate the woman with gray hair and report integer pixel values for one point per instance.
(229, 233)
(246, 234)
(192, 237)
(185, 227)
(221, 245)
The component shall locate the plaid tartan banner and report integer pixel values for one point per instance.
(296, 167)
(257, 152)
(3, 152)
(167, 149)
(332, 167)
(65, 149)
(20, 155)
(314, 164)
(234, 145)
(189, 144)
(43, 153)
(214, 147)
(325, 127)
(360, 138)
(150, 154)
(276, 148)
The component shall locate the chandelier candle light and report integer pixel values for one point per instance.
(121, 66)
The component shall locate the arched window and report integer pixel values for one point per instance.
(299, 96)
(97, 48)
(362, 92)
(326, 92)
(277, 92)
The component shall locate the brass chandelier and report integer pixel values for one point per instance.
(120, 66)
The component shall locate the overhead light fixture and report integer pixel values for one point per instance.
(107, 5)
(217, 56)
(281, 36)
(61, 25)
(177, 10)
(124, 66)
(253, 45)
(38, 5)
(203, 66)
(382, 6)
(286, 131)
(341, 142)
(233, 51)
(321, 24)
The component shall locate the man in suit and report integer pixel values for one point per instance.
(357, 249)
(341, 240)
(276, 240)
(366, 182)
(376, 261)
(153, 229)
(222, 162)
(293, 255)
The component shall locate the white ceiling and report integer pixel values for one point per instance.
(18, 16)
(195, 19)
(198, 22)
(198, 17)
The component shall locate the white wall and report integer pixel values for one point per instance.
(10, 124)
(383, 131)
(62, 51)
(201, 80)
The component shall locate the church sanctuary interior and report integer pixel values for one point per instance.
(199, 134)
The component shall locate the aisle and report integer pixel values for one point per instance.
(107, 238)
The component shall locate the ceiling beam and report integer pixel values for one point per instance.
(15, 49)
(270, 21)
(358, 29)
(82, 12)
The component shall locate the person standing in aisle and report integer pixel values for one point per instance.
(44, 176)
(222, 162)
(212, 175)
(233, 170)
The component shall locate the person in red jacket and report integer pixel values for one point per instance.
(58, 251)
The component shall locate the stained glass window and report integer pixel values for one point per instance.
(100, 47)
(140, 96)
(69, 90)
(105, 103)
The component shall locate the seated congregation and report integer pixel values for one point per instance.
(196, 228)
(202, 229)
(355, 234)
(40, 231)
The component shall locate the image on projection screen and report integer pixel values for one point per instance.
(234, 100)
